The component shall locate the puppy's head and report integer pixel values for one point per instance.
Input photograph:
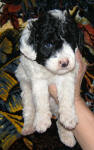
(51, 41)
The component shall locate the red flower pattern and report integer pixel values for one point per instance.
(10, 13)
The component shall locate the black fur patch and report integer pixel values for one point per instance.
(46, 36)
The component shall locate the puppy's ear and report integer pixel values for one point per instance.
(25, 47)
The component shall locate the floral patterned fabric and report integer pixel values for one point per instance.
(13, 18)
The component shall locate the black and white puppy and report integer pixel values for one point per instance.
(48, 46)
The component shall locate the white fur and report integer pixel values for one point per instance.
(24, 47)
(58, 14)
(35, 79)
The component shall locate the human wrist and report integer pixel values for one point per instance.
(79, 103)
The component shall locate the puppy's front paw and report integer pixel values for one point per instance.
(69, 120)
(66, 136)
(68, 139)
(28, 129)
(42, 122)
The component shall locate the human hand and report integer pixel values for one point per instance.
(80, 74)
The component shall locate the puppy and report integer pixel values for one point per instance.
(48, 46)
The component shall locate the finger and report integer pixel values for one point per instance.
(82, 64)
(78, 57)
(53, 91)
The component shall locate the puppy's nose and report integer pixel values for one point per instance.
(64, 63)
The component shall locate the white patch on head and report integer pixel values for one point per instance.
(66, 52)
(25, 48)
(61, 15)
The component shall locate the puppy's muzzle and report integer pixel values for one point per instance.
(64, 63)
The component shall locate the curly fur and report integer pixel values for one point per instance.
(48, 46)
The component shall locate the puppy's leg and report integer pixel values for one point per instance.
(41, 99)
(28, 108)
(66, 136)
(67, 111)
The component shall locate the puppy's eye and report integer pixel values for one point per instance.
(48, 45)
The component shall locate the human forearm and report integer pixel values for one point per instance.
(84, 131)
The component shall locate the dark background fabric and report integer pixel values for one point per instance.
(13, 18)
